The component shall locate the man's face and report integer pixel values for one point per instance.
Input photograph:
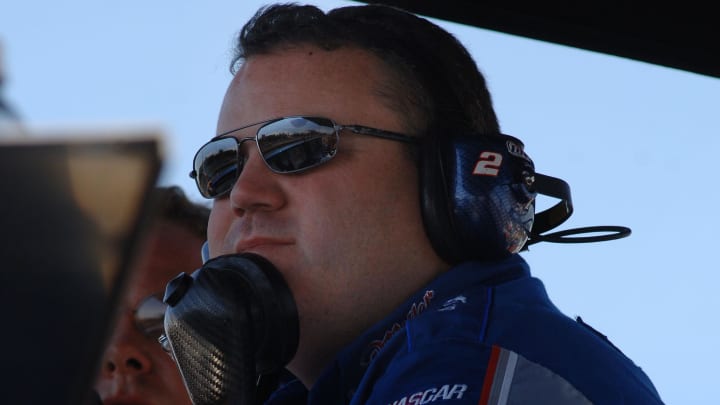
(135, 369)
(347, 235)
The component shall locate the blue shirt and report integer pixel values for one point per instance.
(480, 333)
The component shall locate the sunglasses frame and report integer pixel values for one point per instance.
(148, 327)
(356, 129)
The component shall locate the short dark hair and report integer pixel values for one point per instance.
(434, 82)
(172, 205)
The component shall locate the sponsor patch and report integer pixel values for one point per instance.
(415, 310)
(434, 394)
(452, 303)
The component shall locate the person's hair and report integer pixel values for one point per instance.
(433, 81)
(170, 204)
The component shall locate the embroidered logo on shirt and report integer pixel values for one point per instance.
(415, 310)
(450, 304)
(431, 395)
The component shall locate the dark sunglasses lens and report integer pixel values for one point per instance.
(149, 316)
(297, 143)
(216, 167)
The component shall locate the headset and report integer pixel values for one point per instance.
(478, 198)
(478, 203)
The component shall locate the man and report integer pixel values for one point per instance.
(135, 369)
(326, 164)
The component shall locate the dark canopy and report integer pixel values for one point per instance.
(681, 35)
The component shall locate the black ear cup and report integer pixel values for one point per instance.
(478, 196)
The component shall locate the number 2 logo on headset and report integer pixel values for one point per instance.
(488, 164)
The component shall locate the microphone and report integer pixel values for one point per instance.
(228, 324)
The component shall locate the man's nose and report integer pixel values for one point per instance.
(126, 359)
(256, 188)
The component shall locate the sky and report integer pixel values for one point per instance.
(636, 142)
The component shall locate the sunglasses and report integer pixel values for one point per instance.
(149, 316)
(287, 145)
